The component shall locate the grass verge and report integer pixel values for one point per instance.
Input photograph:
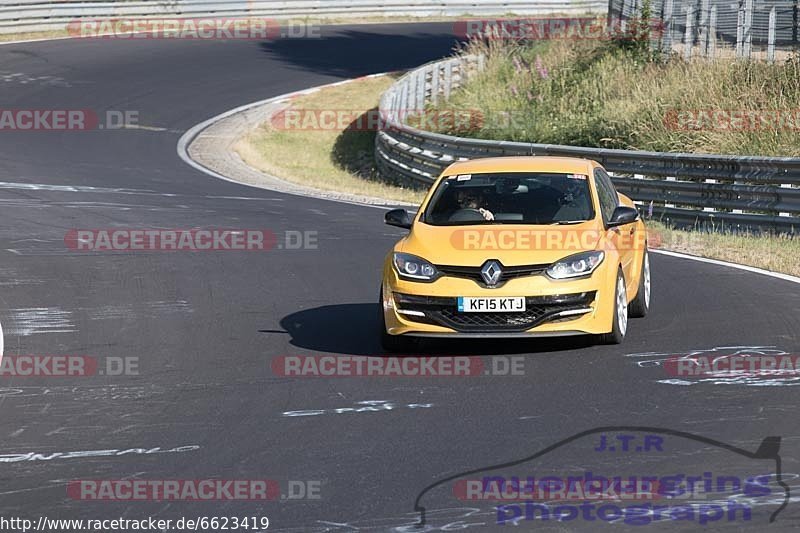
(339, 158)
(599, 93)
(777, 253)
(33, 35)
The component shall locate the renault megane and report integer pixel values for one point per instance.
(516, 246)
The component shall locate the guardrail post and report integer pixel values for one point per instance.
(771, 36)
(666, 38)
(669, 178)
(710, 209)
(688, 41)
(784, 186)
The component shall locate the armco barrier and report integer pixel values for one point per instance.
(42, 15)
(687, 189)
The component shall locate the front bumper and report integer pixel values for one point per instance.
(553, 308)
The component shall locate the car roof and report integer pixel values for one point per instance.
(567, 165)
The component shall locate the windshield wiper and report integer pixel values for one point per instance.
(565, 222)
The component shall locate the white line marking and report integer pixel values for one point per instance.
(778, 275)
(187, 138)
(48, 456)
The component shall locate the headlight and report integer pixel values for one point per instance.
(415, 268)
(574, 266)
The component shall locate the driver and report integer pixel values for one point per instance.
(468, 199)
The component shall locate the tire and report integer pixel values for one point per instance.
(393, 343)
(620, 321)
(639, 307)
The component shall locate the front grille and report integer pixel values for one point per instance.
(443, 311)
(508, 272)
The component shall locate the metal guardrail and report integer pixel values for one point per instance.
(43, 15)
(687, 189)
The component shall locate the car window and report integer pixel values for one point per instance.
(606, 193)
(510, 198)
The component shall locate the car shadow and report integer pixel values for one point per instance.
(353, 329)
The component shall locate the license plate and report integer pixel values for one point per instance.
(515, 304)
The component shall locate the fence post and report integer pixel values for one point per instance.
(688, 42)
(747, 47)
(740, 29)
(703, 28)
(403, 100)
(666, 38)
(421, 89)
(437, 71)
(712, 33)
(795, 20)
(623, 21)
(771, 37)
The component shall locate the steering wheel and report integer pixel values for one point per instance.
(466, 215)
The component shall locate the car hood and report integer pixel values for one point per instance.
(511, 244)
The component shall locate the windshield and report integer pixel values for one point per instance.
(510, 198)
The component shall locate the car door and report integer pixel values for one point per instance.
(621, 236)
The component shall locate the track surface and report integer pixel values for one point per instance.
(205, 326)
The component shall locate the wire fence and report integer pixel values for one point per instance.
(760, 29)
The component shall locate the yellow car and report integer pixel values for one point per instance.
(516, 247)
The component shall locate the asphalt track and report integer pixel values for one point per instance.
(205, 326)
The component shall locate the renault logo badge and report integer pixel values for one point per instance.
(491, 271)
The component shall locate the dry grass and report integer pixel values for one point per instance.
(592, 93)
(777, 253)
(337, 159)
(33, 35)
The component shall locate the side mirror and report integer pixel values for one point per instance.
(623, 215)
(399, 218)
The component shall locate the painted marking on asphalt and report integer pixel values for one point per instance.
(69, 188)
(742, 377)
(126, 311)
(366, 406)
(32, 320)
(24, 79)
(48, 456)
